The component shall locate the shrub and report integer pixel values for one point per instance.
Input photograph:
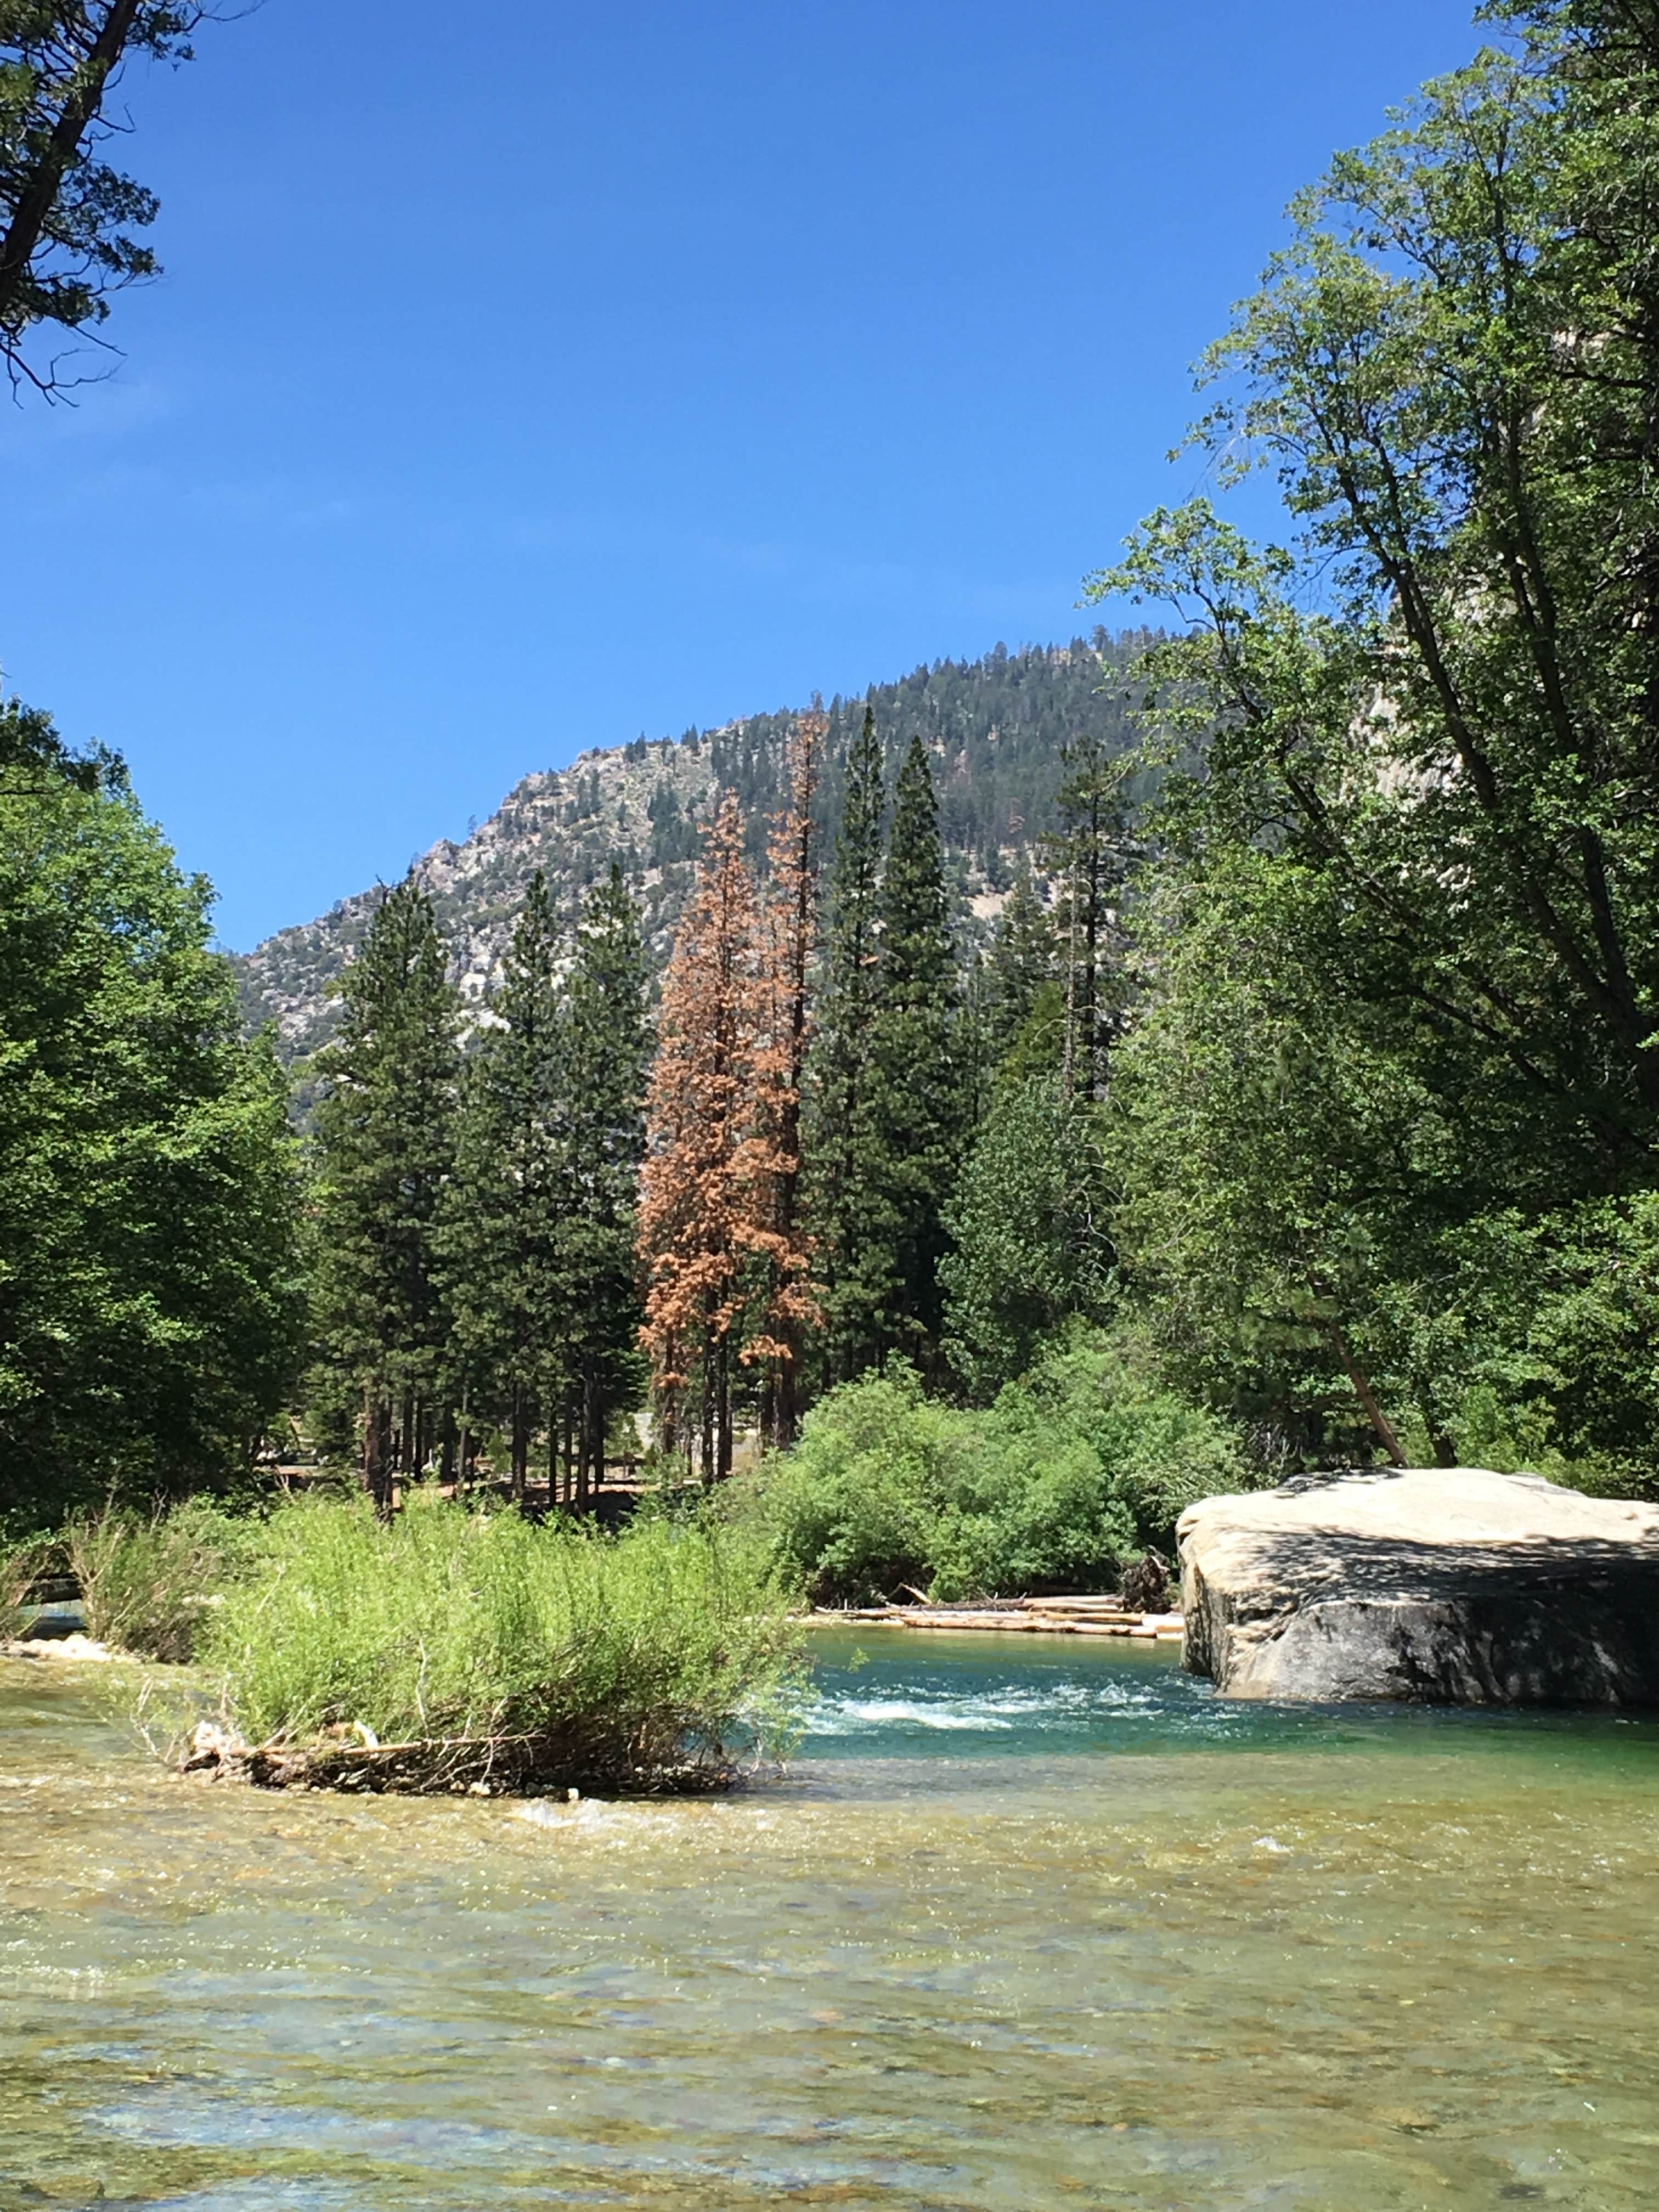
(1084, 1460)
(149, 1582)
(854, 1509)
(496, 1649)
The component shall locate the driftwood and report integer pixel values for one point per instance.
(1028, 1616)
(1147, 1583)
(530, 1766)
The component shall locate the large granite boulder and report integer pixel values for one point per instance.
(1444, 1585)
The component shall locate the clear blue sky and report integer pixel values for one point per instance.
(526, 376)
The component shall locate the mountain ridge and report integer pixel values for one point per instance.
(995, 727)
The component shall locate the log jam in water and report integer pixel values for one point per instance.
(1030, 1924)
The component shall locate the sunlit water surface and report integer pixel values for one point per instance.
(1031, 1924)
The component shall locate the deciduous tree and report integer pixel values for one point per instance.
(151, 1294)
(1030, 1242)
(1404, 1048)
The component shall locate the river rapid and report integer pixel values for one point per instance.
(1031, 1923)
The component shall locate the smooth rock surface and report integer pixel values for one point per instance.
(1440, 1585)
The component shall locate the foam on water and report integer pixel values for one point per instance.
(1030, 1924)
(898, 1692)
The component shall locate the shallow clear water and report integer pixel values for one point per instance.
(1030, 1925)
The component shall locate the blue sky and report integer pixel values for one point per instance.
(526, 377)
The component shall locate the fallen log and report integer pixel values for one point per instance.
(1019, 1617)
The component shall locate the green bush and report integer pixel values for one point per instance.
(638, 1658)
(150, 1581)
(1083, 1462)
(855, 1508)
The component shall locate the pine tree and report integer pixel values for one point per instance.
(1088, 852)
(917, 1081)
(698, 1226)
(605, 1054)
(1023, 961)
(385, 1139)
(504, 1220)
(841, 1183)
(788, 930)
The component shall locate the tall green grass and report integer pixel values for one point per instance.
(540, 1655)
(149, 1582)
(20, 1566)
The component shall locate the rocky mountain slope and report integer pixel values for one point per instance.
(995, 726)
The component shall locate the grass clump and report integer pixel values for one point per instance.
(21, 1567)
(150, 1581)
(454, 1648)
(1077, 1466)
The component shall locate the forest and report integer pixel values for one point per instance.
(1301, 1109)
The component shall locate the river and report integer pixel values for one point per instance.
(1032, 1924)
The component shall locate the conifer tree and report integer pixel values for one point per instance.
(503, 1220)
(605, 1054)
(1022, 962)
(385, 1139)
(917, 1083)
(788, 930)
(1087, 853)
(698, 1223)
(841, 1182)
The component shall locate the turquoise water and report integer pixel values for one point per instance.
(887, 1695)
(1027, 1925)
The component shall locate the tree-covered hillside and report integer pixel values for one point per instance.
(994, 727)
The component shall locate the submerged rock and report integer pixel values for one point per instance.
(1441, 1585)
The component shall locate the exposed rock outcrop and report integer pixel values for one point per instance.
(1441, 1585)
(996, 728)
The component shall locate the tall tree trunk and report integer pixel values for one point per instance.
(585, 1444)
(708, 1411)
(378, 1450)
(723, 1409)
(1367, 1396)
(521, 1442)
(595, 1410)
(52, 164)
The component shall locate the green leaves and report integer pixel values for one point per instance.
(150, 1298)
(1029, 1229)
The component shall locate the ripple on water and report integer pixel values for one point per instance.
(1022, 1929)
